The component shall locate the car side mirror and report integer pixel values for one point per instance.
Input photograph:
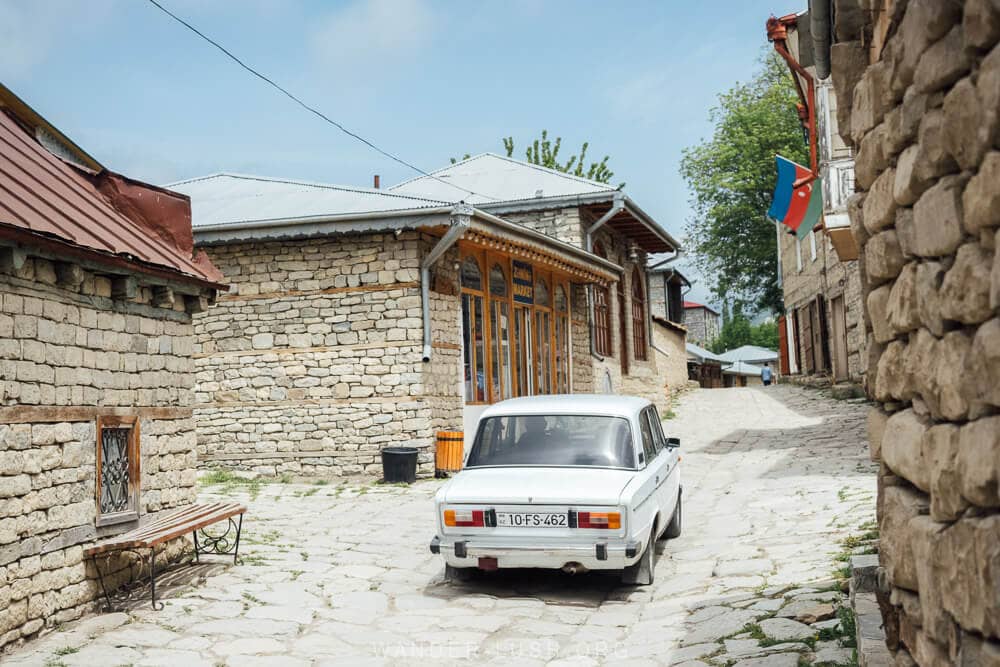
(673, 442)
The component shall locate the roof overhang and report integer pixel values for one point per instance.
(321, 225)
(496, 233)
(632, 221)
(486, 229)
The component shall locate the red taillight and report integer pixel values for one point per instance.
(464, 518)
(610, 520)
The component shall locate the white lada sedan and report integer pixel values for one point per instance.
(577, 483)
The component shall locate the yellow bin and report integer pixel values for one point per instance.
(450, 448)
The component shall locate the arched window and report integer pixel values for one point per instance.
(602, 312)
(638, 315)
(472, 276)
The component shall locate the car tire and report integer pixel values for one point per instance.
(641, 573)
(459, 573)
(674, 527)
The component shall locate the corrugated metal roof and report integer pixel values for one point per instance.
(232, 199)
(492, 178)
(750, 353)
(701, 353)
(44, 195)
(742, 368)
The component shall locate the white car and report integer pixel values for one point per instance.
(580, 482)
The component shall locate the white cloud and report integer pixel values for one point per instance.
(370, 34)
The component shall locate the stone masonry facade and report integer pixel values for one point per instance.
(702, 325)
(827, 277)
(313, 362)
(920, 99)
(71, 351)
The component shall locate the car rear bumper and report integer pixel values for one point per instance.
(603, 555)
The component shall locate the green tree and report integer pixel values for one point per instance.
(765, 334)
(545, 153)
(737, 331)
(731, 179)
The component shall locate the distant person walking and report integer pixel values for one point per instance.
(765, 375)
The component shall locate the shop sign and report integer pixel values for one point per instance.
(523, 280)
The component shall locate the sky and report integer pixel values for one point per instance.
(424, 79)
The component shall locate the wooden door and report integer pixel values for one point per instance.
(804, 316)
(839, 313)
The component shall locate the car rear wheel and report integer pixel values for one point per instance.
(674, 527)
(459, 573)
(641, 572)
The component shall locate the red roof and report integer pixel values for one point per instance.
(44, 195)
(695, 304)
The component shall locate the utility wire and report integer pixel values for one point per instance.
(307, 107)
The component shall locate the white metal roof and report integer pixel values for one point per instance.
(751, 353)
(701, 354)
(489, 178)
(232, 199)
(741, 368)
(574, 404)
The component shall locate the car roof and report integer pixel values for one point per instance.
(563, 404)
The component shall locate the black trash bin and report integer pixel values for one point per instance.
(399, 464)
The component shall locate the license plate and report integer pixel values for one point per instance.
(531, 520)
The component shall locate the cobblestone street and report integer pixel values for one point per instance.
(773, 479)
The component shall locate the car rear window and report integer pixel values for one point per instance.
(553, 440)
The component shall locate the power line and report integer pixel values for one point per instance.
(307, 107)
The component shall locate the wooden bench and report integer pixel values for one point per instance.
(192, 519)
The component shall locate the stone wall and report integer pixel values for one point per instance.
(313, 364)
(68, 354)
(564, 224)
(671, 356)
(828, 277)
(702, 326)
(924, 114)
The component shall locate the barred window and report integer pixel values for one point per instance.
(602, 313)
(117, 470)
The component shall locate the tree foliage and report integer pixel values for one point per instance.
(545, 152)
(738, 331)
(731, 178)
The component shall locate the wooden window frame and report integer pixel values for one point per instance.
(134, 472)
(527, 339)
(482, 294)
(602, 312)
(640, 344)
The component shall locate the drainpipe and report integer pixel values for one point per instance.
(617, 205)
(820, 29)
(777, 34)
(461, 219)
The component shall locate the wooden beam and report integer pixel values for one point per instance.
(70, 275)
(12, 259)
(40, 414)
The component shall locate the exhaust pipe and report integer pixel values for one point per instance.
(574, 568)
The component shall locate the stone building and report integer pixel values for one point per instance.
(919, 83)
(365, 318)
(97, 287)
(702, 323)
(822, 330)
(666, 303)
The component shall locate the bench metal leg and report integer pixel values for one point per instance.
(152, 578)
(220, 544)
(104, 590)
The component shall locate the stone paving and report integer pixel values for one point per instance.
(340, 573)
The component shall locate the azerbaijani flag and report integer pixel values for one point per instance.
(799, 208)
